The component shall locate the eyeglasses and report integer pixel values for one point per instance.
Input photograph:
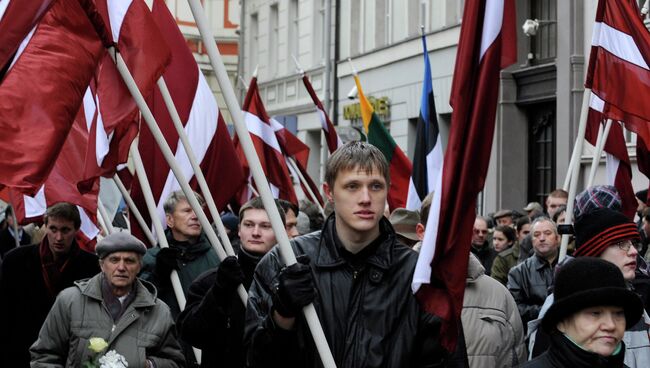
(626, 245)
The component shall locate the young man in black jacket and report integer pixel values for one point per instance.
(356, 274)
(213, 319)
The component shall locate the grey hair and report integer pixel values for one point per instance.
(170, 203)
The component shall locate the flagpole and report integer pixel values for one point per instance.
(155, 220)
(285, 249)
(15, 225)
(102, 212)
(600, 144)
(169, 157)
(573, 186)
(102, 223)
(133, 209)
(198, 173)
(293, 165)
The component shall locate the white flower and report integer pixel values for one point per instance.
(112, 360)
(97, 344)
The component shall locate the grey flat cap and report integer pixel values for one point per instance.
(119, 242)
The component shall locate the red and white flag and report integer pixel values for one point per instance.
(267, 147)
(619, 61)
(138, 39)
(204, 126)
(21, 17)
(487, 44)
(332, 138)
(61, 184)
(618, 167)
(295, 149)
(42, 90)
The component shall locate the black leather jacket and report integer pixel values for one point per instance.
(368, 312)
(529, 282)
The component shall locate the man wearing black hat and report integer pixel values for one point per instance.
(114, 306)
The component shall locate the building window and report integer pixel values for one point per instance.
(541, 154)
(254, 48)
(273, 40)
(293, 34)
(543, 46)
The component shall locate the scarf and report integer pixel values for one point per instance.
(52, 270)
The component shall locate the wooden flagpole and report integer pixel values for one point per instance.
(258, 174)
(600, 145)
(133, 209)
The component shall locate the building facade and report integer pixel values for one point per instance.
(540, 96)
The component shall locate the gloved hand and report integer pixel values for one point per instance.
(295, 289)
(229, 275)
(166, 261)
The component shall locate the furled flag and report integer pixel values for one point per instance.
(138, 39)
(427, 159)
(61, 184)
(618, 167)
(619, 61)
(487, 44)
(267, 147)
(42, 91)
(202, 123)
(332, 138)
(294, 149)
(400, 166)
(643, 161)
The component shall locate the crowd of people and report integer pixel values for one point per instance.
(61, 306)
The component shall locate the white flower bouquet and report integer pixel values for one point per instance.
(110, 359)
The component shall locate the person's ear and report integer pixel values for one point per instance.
(419, 230)
(328, 192)
(169, 219)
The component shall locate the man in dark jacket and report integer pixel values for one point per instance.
(8, 236)
(356, 274)
(529, 281)
(189, 253)
(33, 275)
(213, 319)
(481, 246)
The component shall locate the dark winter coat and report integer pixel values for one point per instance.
(529, 282)
(565, 354)
(486, 255)
(368, 312)
(213, 319)
(8, 242)
(25, 301)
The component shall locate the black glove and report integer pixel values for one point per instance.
(166, 261)
(229, 275)
(295, 288)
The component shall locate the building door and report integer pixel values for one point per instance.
(541, 151)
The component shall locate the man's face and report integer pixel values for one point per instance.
(545, 240)
(60, 235)
(359, 198)
(525, 230)
(479, 232)
(504, 221)
(552, 204)
(291, 222)
(623, 255)
(183, 223)
(120, 270)
(255, 231)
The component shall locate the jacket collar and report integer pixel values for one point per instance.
(329, 255)
(474, 269)
(541, 262)
(145, 292)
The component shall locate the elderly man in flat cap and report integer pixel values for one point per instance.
(108, 314)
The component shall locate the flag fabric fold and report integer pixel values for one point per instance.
(620, 61)
(202, 121)
(42, 91)
(332, 138)
(399, 164)
(487, 44)
(428, 156)
(618, 166)
(267, 146)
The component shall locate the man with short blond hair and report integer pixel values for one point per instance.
(354, 271)
(555, 199)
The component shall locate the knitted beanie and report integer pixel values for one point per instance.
(598, 229)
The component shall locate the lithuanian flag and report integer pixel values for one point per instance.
(400, 165)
